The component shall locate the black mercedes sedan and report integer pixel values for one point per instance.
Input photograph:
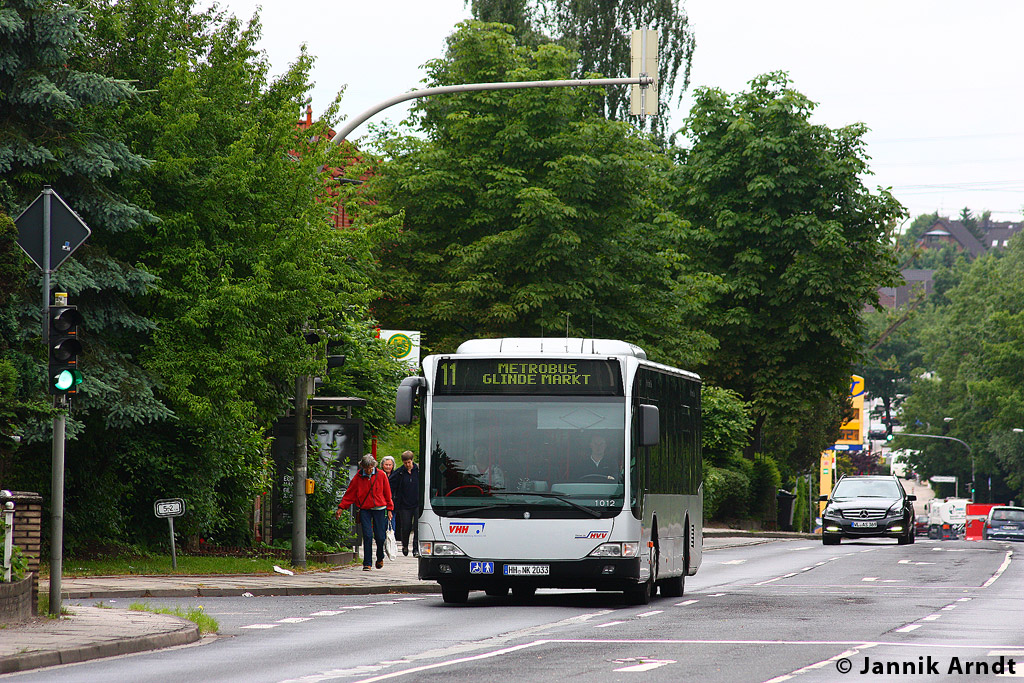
(868, 506)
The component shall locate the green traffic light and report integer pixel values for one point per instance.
(67, 379)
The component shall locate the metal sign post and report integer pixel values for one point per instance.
(170, 508)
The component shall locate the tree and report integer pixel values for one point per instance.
(781, 217)
(244, 256)
(53, 131)
(974, 374)
(528, 215)
(598, 31)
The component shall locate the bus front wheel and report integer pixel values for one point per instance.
(454, 594)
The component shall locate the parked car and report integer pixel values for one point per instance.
(866, 506)
(1004, 523)
(921, 525)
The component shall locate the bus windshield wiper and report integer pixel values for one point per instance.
(459, 512)
(589, 511)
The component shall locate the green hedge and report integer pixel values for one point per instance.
(726, 493)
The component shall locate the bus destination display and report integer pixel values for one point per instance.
(528, 376)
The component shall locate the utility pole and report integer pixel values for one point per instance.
(299, 473)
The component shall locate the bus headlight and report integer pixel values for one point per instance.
(438, 549)
(616, 550)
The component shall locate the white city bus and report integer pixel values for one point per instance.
(559, 463)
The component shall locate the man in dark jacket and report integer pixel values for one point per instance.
(405, 491)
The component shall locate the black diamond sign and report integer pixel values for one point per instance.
(67, 231)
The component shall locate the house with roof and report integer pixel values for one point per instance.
(944, 232)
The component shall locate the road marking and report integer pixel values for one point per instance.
(358, 606)
(931, 617)
(383, 602)
(818, 665)
(791, 574)
(999, 572)
(294, 620)
(400, 599)
(908, 629)
(609, 623)
(713, 595)
(684, 603)
(768, 581)
(911, 562)
(261, 626)
(648, 665)
(965, 599)
(870, 578)
(804, 547)
(949, 607)
(734, 562)
(327, 613)
(650, 614)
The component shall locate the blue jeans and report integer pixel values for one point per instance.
(375, 526)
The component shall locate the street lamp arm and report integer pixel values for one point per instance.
(472, 87)
(936, 436)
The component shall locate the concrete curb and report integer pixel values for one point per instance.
(185, 633)
(255, 591)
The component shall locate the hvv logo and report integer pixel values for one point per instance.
(467, 529)
(596, 535)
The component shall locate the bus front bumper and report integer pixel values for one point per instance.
(602, 573)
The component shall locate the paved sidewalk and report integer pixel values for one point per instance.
(91, 632)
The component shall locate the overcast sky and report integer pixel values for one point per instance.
(939, 83)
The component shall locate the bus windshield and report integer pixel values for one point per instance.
(503, 456)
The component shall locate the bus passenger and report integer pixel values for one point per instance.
(479, 468)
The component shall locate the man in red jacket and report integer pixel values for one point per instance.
(370, 492)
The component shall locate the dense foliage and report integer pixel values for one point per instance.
(782, 217)
(526, 214)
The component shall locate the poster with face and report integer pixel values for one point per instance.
(335, 440)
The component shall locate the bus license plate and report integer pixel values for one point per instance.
(867, 524)
(527, 570)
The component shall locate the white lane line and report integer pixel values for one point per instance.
(383, 602)
(999, 572)
(818, 665)
(608, 623)
(294, 620)
(931, 617)
(949, 607)
(713, 595)
(768, 581)
(650, 614)
(684, 603)
(909, 628)
(401, 599)
(791, 574)
(870, 578)
(804, 547)
(912, 562)
(733, 562)
(261, 626)
(327, 613)
(358, 606)
(807, 569)
(965, 599)
(648, 665)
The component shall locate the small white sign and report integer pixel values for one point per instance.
(169, 507)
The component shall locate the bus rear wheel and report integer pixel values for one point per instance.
(454, 594)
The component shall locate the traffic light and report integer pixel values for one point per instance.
(888, 431)
(64, 346)
(335, 361)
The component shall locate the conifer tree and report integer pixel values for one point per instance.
(50, 134)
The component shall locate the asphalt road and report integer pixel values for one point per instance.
(784, 610)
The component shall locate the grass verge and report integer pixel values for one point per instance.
(196, 615)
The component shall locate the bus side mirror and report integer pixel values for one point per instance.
(406, 398)
(650, 427)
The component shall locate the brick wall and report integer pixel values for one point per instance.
(16, 601)
(28, 527)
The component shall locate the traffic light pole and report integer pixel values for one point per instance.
(57, 508)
